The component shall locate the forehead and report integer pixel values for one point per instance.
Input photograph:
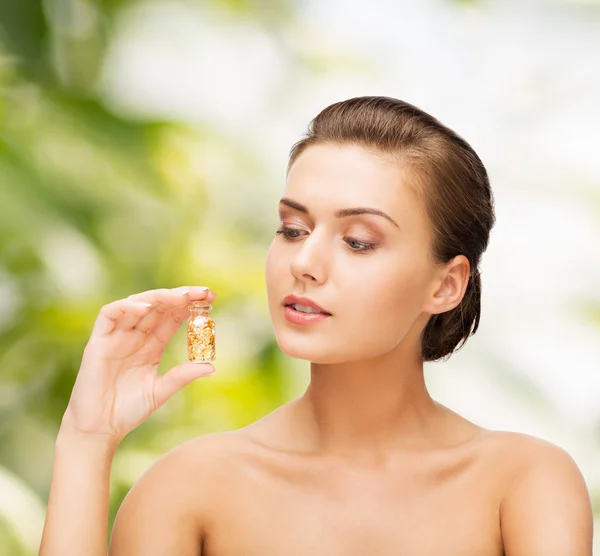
(329, 177)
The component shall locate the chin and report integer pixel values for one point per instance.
(328, 350)
(309, 350)
(320, 352)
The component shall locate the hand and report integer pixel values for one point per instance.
(117, 387)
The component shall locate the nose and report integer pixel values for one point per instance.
(309, 262)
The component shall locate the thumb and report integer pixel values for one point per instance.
(179, 377)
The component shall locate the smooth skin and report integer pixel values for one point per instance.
(365, 462)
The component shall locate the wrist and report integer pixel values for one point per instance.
(101, 445)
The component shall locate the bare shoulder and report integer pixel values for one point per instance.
(545, 504)
(516, 457)
(199, 457)
(201, 466)
(520, 453)
(168, 508)
(519, 447)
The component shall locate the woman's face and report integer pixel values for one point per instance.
(373, 274)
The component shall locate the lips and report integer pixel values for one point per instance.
(307, 302)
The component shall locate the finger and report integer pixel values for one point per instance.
(154, 296)
(179, 377)
(123, 314)
(173, 320)
(165, 301)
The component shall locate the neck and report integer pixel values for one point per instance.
(368, 409)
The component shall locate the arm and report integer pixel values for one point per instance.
(77, 516)
(547, 510)
(115, 390)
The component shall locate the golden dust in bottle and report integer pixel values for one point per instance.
(201, 333)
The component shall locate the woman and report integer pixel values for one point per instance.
(373, 271)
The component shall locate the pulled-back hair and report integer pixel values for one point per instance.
(450, 178)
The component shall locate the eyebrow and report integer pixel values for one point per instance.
(340, 213)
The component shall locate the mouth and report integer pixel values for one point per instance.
(304, 305)
(296, 314)
(302, 310)
(306, 309)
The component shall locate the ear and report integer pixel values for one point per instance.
(450, 285)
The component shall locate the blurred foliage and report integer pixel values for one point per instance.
(94, 207)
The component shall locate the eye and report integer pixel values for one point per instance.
(359, 246)
(289, 233)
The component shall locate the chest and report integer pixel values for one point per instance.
(354, 514)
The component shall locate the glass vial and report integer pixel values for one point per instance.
(201, 333)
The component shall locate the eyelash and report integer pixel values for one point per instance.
(285, 232)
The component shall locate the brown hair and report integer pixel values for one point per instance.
(451, 179)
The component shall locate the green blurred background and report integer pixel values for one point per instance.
(109, 187)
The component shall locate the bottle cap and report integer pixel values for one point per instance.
(202, 303)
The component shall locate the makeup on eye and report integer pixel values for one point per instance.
(341, 213)
(355, 245)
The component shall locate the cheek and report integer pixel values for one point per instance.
(396, 291)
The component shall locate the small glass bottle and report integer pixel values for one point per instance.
(201, 333)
